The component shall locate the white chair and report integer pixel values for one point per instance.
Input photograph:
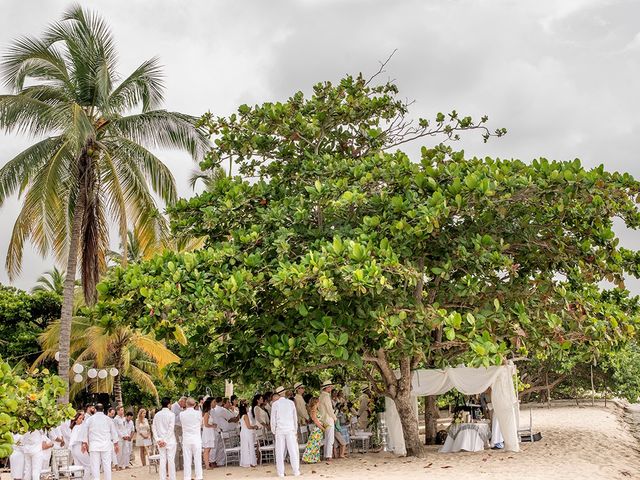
(303, 437)
(527, 430)
(231, 442)
(266, 447)
(154, 458)
(61, 464)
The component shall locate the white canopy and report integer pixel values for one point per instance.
(469, 381)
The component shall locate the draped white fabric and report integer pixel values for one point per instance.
(469, 381)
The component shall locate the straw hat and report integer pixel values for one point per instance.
(327, 383)
(280, 390)
(298, 385)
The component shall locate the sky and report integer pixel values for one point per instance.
(561, 76)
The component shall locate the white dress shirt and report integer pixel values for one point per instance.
(284, 418)
(32, 441)
(221, 417)
(121, 425)
(176, 409)
(130, 427)
(191, 420)
(100, 433)
(163, 427)
(77, 434)
(325, 408)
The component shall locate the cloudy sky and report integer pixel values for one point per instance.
(561, 76)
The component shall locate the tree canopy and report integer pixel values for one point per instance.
(334, 249)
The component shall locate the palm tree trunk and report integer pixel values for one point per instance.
(68, 295)
(117, 390)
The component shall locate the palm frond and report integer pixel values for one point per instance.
(155, 349)
(145, 85)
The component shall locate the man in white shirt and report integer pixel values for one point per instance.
(120, 423)
(191, 420)
(176, 408)
(32, 443)
(301, 405)
(226, 421)
(325, 410)
(100, 439)
(284, 425)
(163, 428)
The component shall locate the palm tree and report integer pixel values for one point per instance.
(50, 281)
(93, 162)
(105, 344)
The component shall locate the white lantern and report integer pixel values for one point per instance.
(92, 373)
(77, 368)
(113, 372)
(77, 378)
(102, 374)
(57, 356)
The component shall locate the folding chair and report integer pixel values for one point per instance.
(267, 448)
(61, 464)
(231, 442)
(154, 458)
(303, 437)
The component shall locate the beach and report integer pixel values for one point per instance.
(578, 443)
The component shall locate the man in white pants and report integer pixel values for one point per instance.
(284, 425)
(325, 410)
(191, 421)
(120, 422)
(100, 439)
(163, 426)
(32, 451)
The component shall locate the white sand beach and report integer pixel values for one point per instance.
(579, 443)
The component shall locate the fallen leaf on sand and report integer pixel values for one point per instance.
(447, 466)
(427, 466)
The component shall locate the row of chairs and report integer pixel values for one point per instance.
(61, 466)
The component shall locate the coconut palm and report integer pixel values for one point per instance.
(104, 344)
(50, 281)
(93, 163)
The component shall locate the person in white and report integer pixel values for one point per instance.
(301, 405)
(128, 443)
(325, 409)
(176, 408)
(120, 422)
(75, 444)
(248, 429)
(32, 443)
(65, 430)
(226, 421)
(16, 460)
(284, 425)
(191, 420)
(209, 431)
(100, 438)
(47, 444)
(163, 428)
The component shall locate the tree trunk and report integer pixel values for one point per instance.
(409, 421)
(66, 314)
(431, 415)
(117, 390)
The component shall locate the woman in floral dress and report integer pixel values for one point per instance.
(316, 436)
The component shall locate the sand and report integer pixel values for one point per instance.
(581, 443)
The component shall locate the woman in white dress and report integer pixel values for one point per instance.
(143, 437)
(16, 460)
(75, 445)
(208, 432)
(258, 413)
(247, 438)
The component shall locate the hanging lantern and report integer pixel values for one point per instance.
(113, 371)
(57, 356)
(102, 374)
(92, 373)
(77, 368)
(77, 378)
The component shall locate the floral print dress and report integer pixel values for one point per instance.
(314, 446)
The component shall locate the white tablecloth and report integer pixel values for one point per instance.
(471, 437)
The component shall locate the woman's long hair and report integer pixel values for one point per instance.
(79, 413)
(206, 406)
(142, 413)
(254, 403)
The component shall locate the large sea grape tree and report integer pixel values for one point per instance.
(333, 248)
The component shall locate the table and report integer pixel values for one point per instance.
(471, 437)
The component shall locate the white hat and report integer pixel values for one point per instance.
(298, 385)
(280, 390)
(326, 383)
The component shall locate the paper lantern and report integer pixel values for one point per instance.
(92, 373)
(57, 356)
(77, 378)
(113, 372)
(77, 368)
(102, 374)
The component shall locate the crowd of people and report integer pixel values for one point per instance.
(190, 433)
